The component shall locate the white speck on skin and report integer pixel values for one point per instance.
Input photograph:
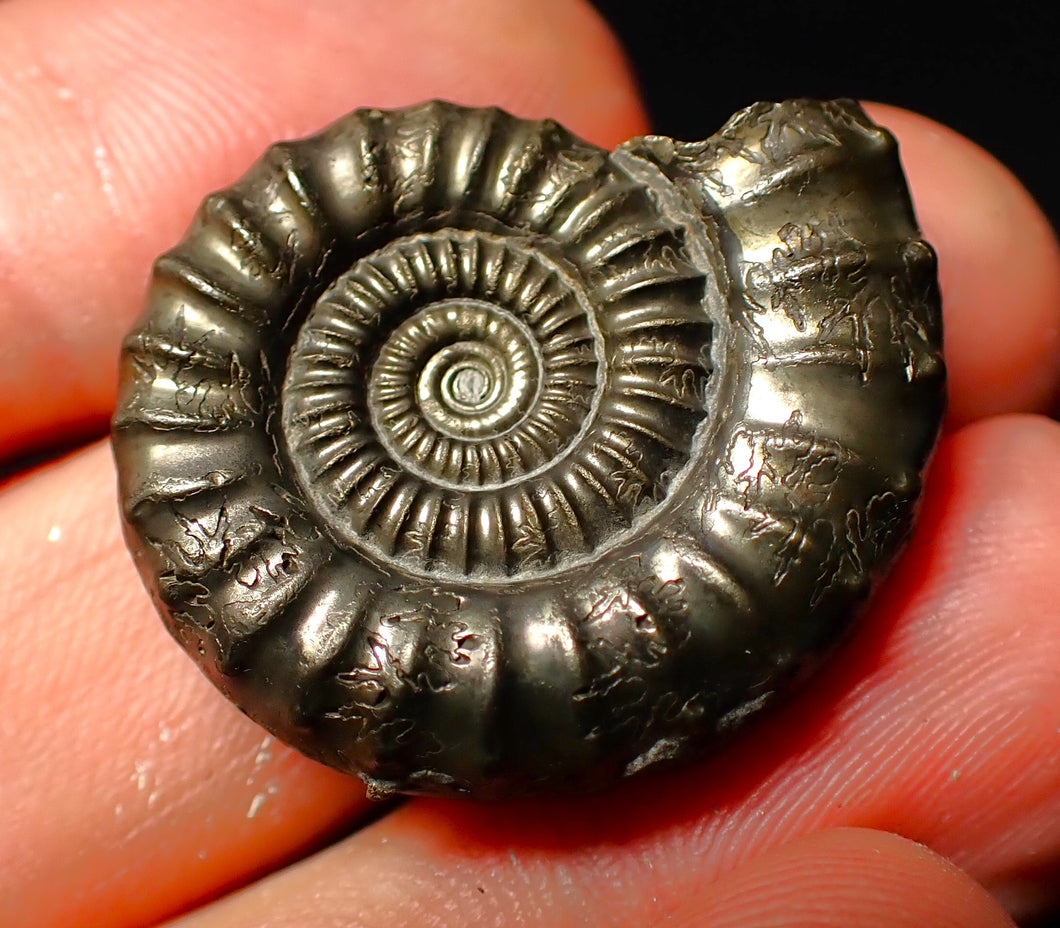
(264, 755)
(104, 164)
(261, 758)
(259, 799)
(55, 533)
(64, 93)
(165, 734)
(106, 175)
(140, 774)
(955, 775)
(118, 809)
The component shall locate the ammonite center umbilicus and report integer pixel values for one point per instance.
(471, 458)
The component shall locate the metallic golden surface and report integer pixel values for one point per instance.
(471, 458)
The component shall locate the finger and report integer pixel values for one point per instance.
(136, 782)
(999, 269)
(134, 788)
(910, 704)
(937, 722)
(117, 116)
(843, 877)
(839, 878)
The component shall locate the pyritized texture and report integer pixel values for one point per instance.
(471, 458)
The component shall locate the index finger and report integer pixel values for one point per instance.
(999, 270)
(116, 118)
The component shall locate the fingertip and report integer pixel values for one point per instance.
(123, 115)
(999, 270)
(573, 42)
(139, 791)
(847, 876)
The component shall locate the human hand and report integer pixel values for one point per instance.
(133, 791)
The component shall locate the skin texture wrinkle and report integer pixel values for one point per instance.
(923, 762)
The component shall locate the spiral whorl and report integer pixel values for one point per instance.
(469, 457)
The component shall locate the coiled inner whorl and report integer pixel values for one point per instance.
(461, 377)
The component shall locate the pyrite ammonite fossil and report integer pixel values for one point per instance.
(469, 457)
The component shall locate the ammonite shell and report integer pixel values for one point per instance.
(470, 458)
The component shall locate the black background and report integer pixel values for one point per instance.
(991, 75)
